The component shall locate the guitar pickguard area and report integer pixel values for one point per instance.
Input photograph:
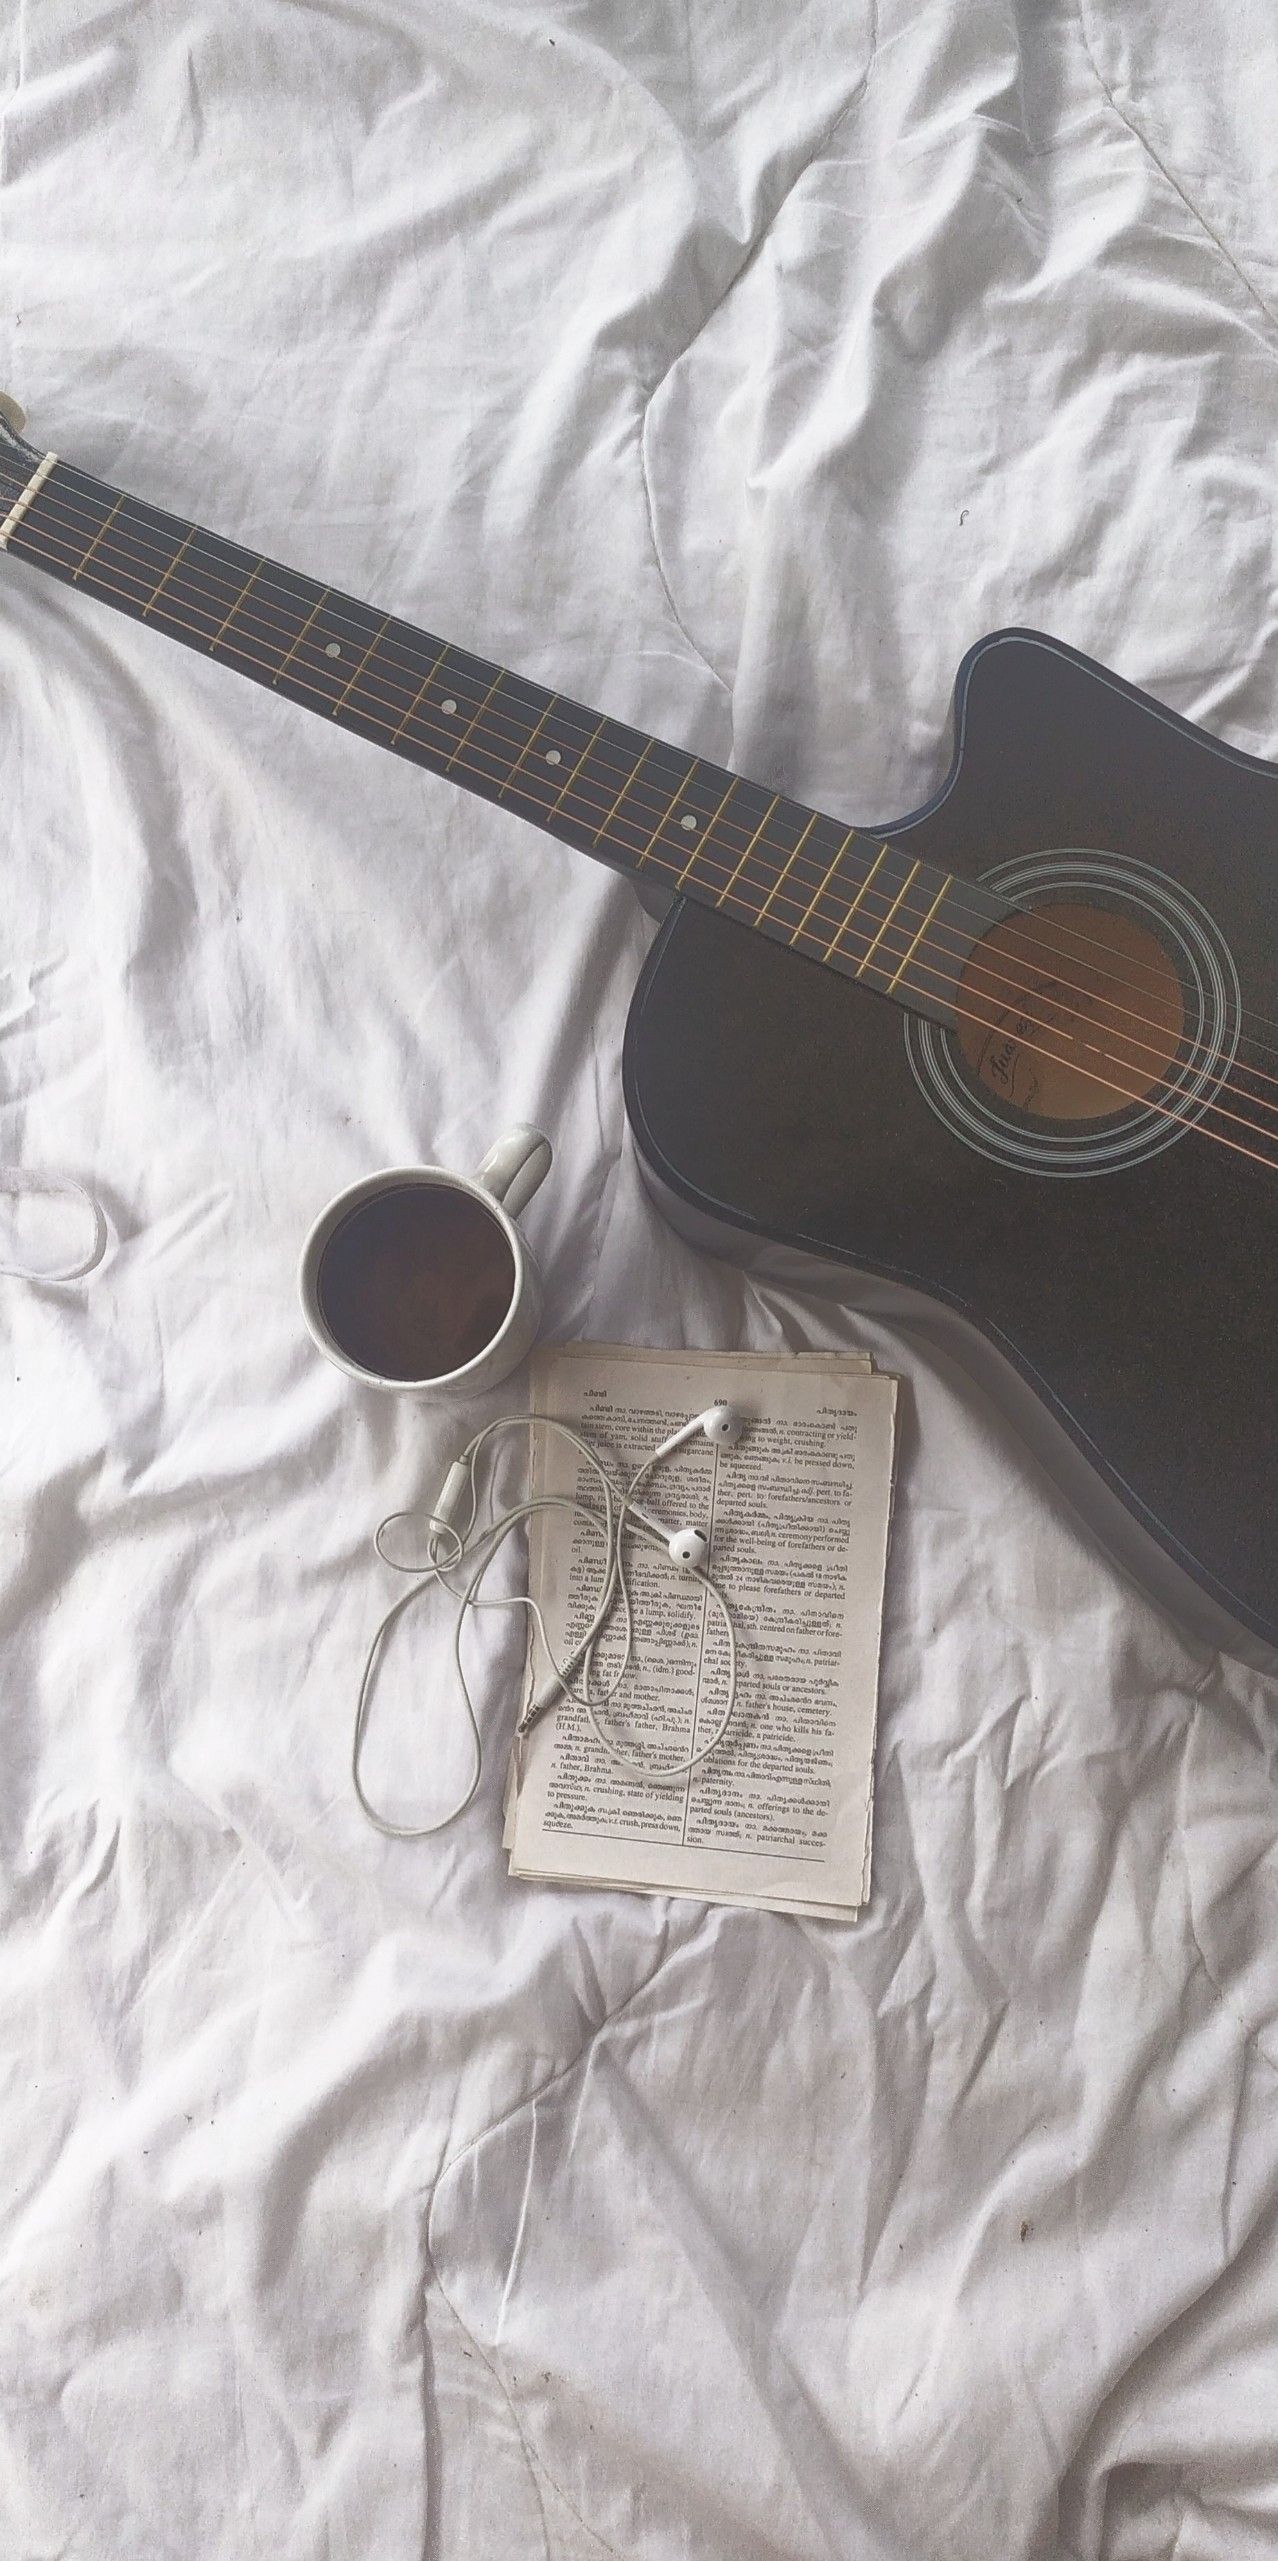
(1092, 1027)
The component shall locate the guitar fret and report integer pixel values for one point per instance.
(917, 938)
(99, 575)
(404, 665)
(493, 752)
(240, 599)
(820, 890)
(565, 787)
(296, 645)
(675, 811)
(626, 788)
(711, 823)
(385, 695)
(504, 732)
(744, 858)
(352, 681)
(489, 749)
(475, 716)
(610, 827)
(103, 529)
(162, 583)
(530, 741)
(189, 597)
(665, 817)
(837, 936)
(118, 533)
(786, 867)
(411, 712)
(587, 780)
(638, 802)
(492, 767)
(863, 964)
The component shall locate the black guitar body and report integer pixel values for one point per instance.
(1119, 1266)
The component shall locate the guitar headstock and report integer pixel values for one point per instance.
(12, 421)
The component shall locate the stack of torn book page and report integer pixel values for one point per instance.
(798, 1516)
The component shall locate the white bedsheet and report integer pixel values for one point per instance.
(734, 367)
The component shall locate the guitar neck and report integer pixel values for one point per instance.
(860, 904)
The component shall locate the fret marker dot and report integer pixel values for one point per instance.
(448, 705)
(688, 821)
(333, 649)
(553, 756)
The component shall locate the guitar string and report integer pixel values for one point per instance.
(1027, 1015)
(987, 983)
(1048, 946)
(1196, 1120)
(978, 962)
(259, 580)
(992, 980)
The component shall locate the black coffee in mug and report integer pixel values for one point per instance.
(415, 1281)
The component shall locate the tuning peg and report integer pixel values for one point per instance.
(11, 414)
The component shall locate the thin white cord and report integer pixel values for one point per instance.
(15, 1182)
(611, 1521)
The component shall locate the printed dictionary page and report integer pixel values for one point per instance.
(797, 1514)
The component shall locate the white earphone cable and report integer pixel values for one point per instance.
(16, 1183)
(618, 1512)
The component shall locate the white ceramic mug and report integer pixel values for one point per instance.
(504, 1184)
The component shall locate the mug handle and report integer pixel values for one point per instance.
(516, 1167)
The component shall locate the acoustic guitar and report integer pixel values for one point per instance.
(1014, 1056)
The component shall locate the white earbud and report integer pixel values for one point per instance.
(684, 1547)
(722, 1423)
(719, 1423)
(689, 1549)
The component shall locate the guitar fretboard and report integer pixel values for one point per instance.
(863, 905)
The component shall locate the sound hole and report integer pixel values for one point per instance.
(1069, 1012)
